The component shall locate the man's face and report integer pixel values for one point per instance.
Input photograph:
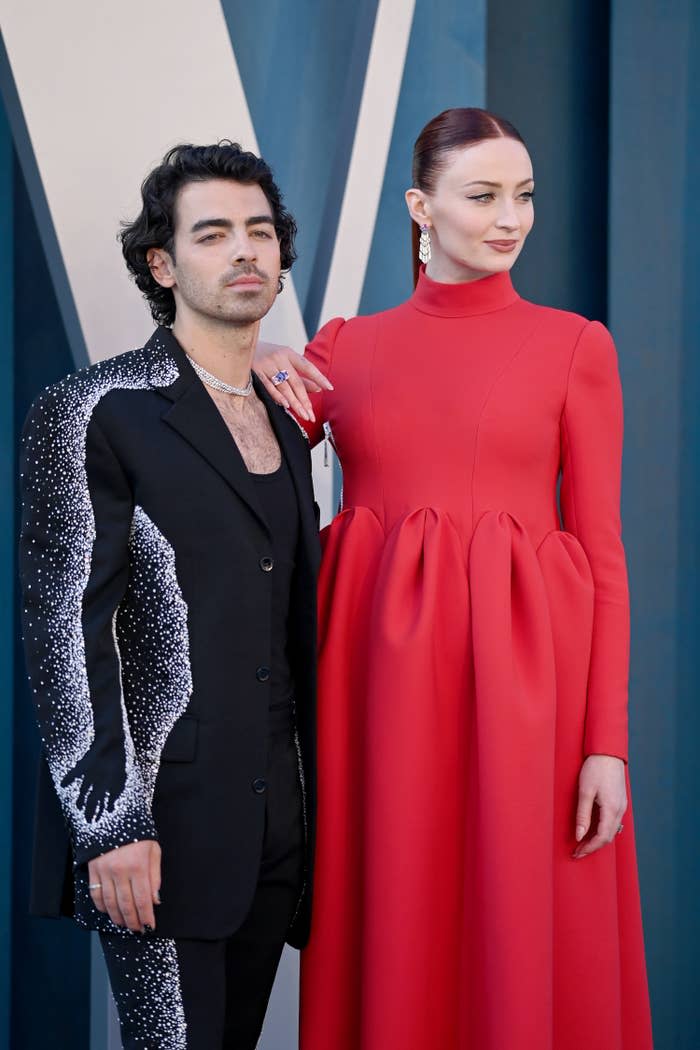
(226, 264)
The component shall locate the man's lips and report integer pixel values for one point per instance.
(247, 280)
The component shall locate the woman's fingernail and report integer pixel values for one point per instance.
(580, 832)
(157, 897)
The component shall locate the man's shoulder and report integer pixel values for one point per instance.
(76, 396)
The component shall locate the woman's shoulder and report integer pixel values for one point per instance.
(566, 326)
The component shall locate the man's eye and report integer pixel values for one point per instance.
(262, 233)
(209, 237)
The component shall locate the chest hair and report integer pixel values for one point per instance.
(249, 426)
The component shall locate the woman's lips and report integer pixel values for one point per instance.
(502, 246)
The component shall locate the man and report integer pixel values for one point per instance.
(169, 554)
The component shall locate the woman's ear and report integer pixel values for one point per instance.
(161, 266)
(418, 206)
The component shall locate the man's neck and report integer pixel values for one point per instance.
(224, 349)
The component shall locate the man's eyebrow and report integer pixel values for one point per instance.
(226, 224)
(255, 220)
(201, 224)
(497, 185)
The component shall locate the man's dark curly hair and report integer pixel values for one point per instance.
(154, 227)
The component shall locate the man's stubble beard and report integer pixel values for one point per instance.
(225, 306)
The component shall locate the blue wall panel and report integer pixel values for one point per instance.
(547, 72)
(50, 959)
(654, 300)
(445, 67)
(302, 68)
(7, 568)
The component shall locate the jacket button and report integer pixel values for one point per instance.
(266, 564)
(259, 786)
(263, 674)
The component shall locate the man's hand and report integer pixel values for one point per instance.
(271, 359)
(125, 883)
(602, 780)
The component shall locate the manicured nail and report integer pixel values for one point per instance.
(157, 898)
(580, 832)
(285, 403)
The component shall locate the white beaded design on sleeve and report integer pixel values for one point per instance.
(57, 502)
(151, 629)
(145, 977)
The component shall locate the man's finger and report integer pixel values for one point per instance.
(584, 812)
(109, 896)
(127, 905)
(95, 887)
(154, 874)
(98, 899)
(143, 900)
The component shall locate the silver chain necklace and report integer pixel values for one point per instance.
(218, 384)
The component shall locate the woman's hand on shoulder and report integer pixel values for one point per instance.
(287, 375)
(601, 783)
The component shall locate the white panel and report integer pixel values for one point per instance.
(370, 151)
(106, 89)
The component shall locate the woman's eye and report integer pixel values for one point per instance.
(528, 195)
(482, 197)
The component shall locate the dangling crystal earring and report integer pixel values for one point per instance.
(424, 252)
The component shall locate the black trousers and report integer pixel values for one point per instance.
(178, 994)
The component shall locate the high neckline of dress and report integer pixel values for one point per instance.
(466, 299)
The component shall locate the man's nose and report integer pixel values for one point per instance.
(244, 249)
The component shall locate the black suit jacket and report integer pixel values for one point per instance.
(147, 618)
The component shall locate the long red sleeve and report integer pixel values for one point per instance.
(320, 352)
(592, 427)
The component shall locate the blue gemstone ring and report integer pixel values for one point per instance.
(280, 377)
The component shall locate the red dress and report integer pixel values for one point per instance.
(473, 650)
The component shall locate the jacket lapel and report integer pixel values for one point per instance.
(194, 416)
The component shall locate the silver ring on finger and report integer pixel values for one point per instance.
(95, 886)
(279, 377)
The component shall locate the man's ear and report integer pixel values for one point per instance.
(161, 266)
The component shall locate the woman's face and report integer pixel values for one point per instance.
(480, 212)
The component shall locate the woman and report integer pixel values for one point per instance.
(475, 887)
